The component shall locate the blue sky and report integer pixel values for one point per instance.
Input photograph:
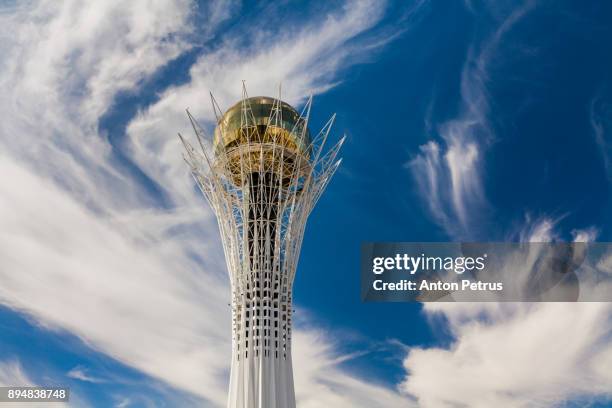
(465, 121)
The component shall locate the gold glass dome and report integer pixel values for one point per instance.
(289, 132)
(264, 144)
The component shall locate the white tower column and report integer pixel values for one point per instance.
(262, 175)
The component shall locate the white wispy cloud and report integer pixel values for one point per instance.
(85, 247)
(448, 173)
(137, 298)
(517, 354)
(12, 374)
(124, 403)
(501, 354)
(320, 382)
(537, 230)
(81, 373)
(600, 111)
(305, 59)
(64, 62)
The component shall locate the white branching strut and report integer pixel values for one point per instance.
(262, 175)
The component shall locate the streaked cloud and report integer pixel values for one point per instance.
(448, 172)
(81, 374)
(500, 354)
(517, 354)
(124, 403)
(600, 112)
(320, 382)
(86, 247)
(12, 374)
(305, 60)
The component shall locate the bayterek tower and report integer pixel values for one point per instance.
(262, 175)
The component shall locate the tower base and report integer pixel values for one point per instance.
(261, 382)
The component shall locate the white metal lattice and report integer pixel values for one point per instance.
(262, 191)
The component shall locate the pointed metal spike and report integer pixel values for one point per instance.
(247, 117)
(197, 129)
(328, 125)
(244, 90)
(201, 143)
(188, 162)
(273, 118)
(308, 106)
(303, 122)
(323, 133)
(182, 139)
(216, 109)
(185, 143)
(332, 120)
(192, 120)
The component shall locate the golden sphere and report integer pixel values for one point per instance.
(262, 143)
